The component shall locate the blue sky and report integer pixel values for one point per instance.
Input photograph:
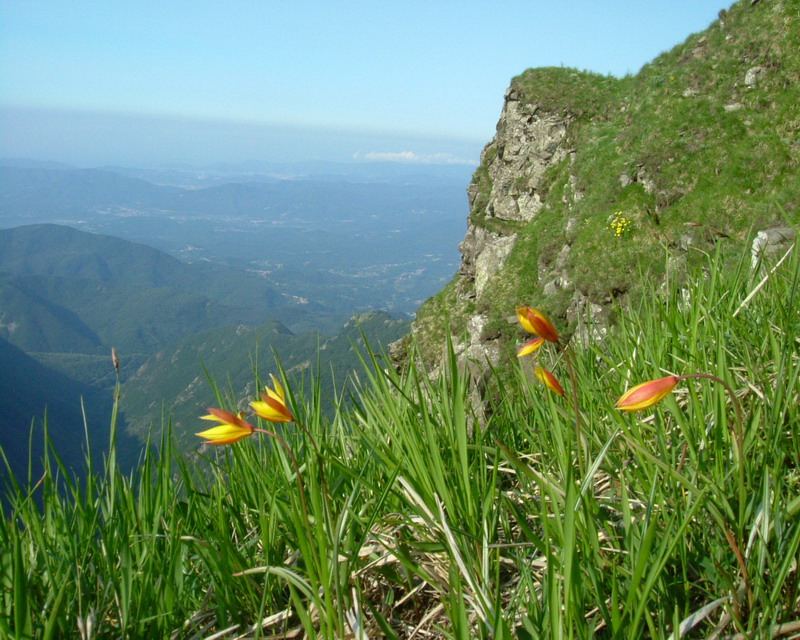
(131, 82)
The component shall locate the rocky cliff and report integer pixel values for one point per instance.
(594, 187)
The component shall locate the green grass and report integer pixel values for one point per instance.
(413, 515)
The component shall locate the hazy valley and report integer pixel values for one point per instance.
(382, 237)
(179, 279)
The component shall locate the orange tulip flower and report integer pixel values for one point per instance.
(647, 394)
(273, 404)
(529, 347)
(549, 380)
(230, 428)
(535, 322)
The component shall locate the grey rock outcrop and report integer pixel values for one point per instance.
(526, 144)
(770, 244)
(483, 253)
(752, 76)
(528, 141)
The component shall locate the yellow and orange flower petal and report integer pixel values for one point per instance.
(647, 394)
(536, 322)
(522, 316)
(272, 406)
(230, 428)
(529, 347)
(549, 380)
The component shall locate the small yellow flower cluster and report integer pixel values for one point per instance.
(620, 224)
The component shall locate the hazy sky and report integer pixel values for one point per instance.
(202, 80)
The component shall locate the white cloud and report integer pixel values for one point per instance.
(410, 157)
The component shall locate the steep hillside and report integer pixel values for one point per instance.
(57, 250)
(33, 323)
(176, 380)
(65, 315)
(31, 391)
(594, 187)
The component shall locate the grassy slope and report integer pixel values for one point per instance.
(409, 518)
(726, 172)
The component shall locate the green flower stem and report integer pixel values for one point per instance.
(319, 458)
(300, 483)
(737, 431)
(581, 443)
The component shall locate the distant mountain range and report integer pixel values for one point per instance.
(67, 297)
(187, 176)
(360, 237)
(197, 176)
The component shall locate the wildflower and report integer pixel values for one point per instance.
(549, 380)
(535, 322)
(620, 224)
(529, 347)
(273, 404)
(230, 428)
(647, 394)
